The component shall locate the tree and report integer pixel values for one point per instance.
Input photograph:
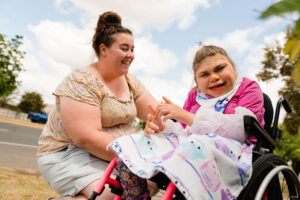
(31, 102)
(292, 45)
(276, 64)
(10, 65)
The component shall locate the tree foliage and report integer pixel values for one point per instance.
(292, 45)
(10, 65)
(139, 124)
(278, 65)
(289, 149)
(31, 102)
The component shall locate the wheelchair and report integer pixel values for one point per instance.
(272, 178)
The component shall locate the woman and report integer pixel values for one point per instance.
(94, 105)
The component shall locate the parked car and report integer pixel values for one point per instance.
(38, 117)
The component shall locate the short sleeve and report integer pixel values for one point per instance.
(136, 86)
(81, 85)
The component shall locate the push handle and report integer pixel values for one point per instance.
(287, 108)
(286, 105)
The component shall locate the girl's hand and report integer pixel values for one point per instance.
(154, 124)
(169, 110)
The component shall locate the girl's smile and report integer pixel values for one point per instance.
(218, 87)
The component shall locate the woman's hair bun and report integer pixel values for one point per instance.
(109, 23)
(110, 19)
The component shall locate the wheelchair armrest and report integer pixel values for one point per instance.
(252, 126)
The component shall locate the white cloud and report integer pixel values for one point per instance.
(175, 90)
(238, 41)
(159, 14)
(64, 42)
(190, 54)
(271, 89)
(41, 72)
(60, 47)
(36, 78)
(151, 59)
(270, 39)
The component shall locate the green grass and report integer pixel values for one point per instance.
(20, 186)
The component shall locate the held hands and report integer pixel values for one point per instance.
(169, 110)
(173, 111)
(154, 124)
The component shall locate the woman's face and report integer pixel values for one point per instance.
(215, 75)
(120, 54)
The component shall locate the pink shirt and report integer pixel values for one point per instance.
(249, 95)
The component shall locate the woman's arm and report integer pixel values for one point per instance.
(82, 122)
(142, 104)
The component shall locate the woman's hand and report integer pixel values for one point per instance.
(154, 124)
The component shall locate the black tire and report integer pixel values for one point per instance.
(261, 167)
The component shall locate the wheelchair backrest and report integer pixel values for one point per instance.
(269, 112)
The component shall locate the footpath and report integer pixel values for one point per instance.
(21, 122)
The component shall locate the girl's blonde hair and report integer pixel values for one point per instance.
(206, 51)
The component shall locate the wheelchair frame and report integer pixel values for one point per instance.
(264, 183)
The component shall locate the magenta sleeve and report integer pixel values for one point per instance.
(190, 101)
(252, 99)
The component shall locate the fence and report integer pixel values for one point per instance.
(13, 114)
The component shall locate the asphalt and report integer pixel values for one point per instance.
(18, 145)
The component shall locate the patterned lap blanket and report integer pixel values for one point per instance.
(201, 166)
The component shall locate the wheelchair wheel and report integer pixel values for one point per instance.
(272, 179)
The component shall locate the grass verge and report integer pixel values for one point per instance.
(20, 186)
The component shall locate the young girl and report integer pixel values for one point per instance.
(211, 157)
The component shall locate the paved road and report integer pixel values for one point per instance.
(18, 146)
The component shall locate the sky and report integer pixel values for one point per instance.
(58, 38)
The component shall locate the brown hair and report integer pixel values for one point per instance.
(108, 24)
(206, 51)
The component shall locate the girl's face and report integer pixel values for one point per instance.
(215, 75)
(120, 54)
